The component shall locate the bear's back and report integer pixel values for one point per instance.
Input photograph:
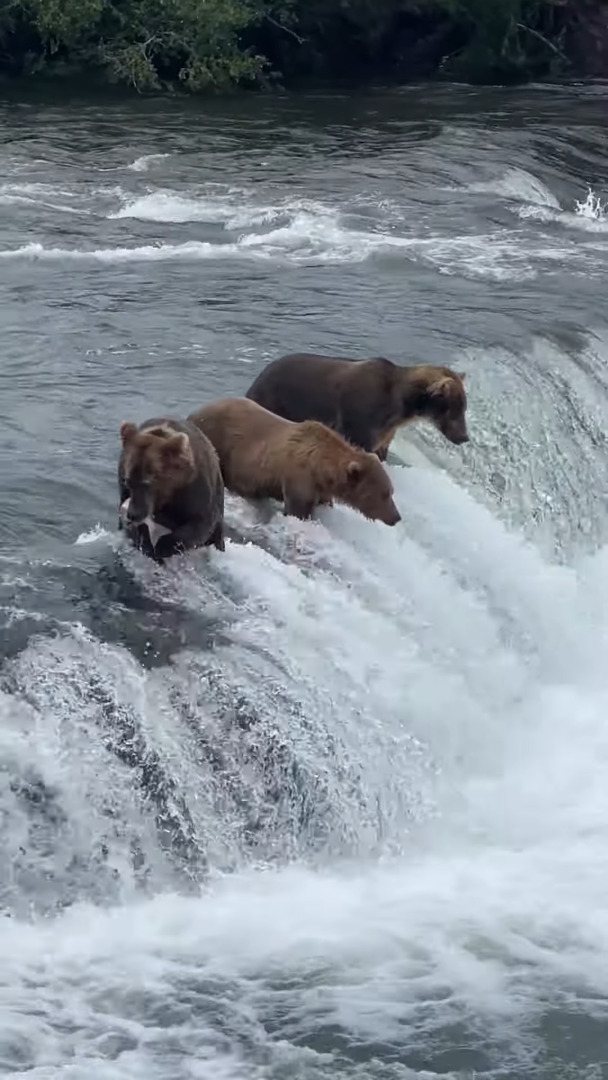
(309, 386)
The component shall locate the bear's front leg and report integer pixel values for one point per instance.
(298, 501)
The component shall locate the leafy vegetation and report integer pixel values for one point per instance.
(213, 44)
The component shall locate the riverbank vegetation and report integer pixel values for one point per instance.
(214, 44)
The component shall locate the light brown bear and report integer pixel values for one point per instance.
(366, 401)
(305, 465)
(170, 487)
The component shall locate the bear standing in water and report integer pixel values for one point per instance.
(170, 488)
(305, 465)
(365, 400)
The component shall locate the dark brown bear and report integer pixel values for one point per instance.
(365, 400)
(170, 486)
(305, 465)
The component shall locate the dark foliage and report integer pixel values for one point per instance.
(214, 44)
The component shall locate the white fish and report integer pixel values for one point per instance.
(154, 529)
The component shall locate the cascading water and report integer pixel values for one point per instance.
(332, 803)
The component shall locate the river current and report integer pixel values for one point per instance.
(332, 803)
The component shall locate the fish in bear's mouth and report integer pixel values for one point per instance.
(155, 530)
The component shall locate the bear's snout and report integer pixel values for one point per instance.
(454, 433)
(393, 517)
(459, 438)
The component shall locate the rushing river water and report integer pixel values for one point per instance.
(333, 803)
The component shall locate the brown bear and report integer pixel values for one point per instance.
(366, 401)
(263, 456)
(170, 487)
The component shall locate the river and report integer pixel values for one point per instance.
(332, 803)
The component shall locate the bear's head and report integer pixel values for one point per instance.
(443, 401)
(369, 489)
(157, 463)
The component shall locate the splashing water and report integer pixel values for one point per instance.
(450, 714)
(591, 208)
(331, 805)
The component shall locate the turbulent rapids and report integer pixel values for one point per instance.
(331, 803)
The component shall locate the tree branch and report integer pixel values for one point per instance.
(285, 29)
(541, 37)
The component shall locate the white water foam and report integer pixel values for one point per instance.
(589, 215)
(445, 642)
(94, 535)
(518, 185)
(592, 207)
(304, 231)
(540, 204)
(310, 241)
(592, 213)
(143, 163)
(233, 207)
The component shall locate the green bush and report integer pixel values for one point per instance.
(145, 43)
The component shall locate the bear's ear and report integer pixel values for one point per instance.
(177, 449)
(128, 431)
(442, 388)
(462, 375)
(354, 471)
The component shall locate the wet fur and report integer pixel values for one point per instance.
(170, 468)
(366, 401)
(303, 465)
